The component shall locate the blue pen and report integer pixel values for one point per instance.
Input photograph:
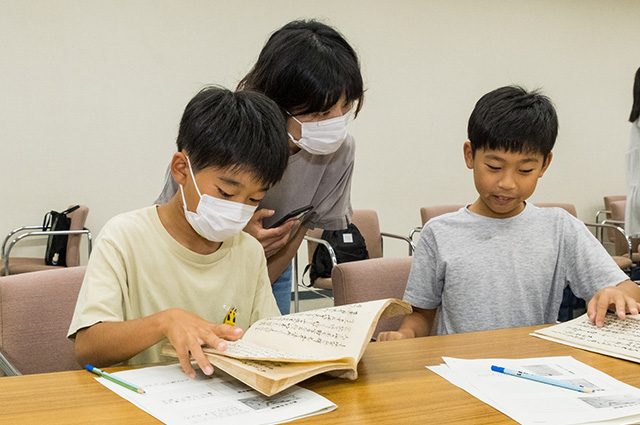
(110, 377)
(543, 379)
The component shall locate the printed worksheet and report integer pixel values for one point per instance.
(529, 402)
(175, 399)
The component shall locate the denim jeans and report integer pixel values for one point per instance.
(282, 290)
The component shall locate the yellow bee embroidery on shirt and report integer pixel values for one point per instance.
(230, 318)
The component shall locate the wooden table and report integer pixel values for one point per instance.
(394, 387)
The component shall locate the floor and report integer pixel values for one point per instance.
(311, 301)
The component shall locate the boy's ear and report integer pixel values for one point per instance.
(468, 154)
(180, 168)
(546, 164)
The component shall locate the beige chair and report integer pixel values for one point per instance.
(17, 265)
(369, 280)
(427, 213)
(35, 313)
(367, 222)
(617, 209)
(611, 233)
(570, 208)
(623, 261)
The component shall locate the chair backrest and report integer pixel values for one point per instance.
(369, 280)
(35, 313)
(617, 209)
(78, 220)
(613, 198)
(570, 208)
(611, 234)
(427, 213)
(367, 222)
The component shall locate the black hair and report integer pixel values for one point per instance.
(635, 109)
(515, 120)
(305, 67)
(240, 130)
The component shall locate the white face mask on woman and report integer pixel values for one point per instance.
(322, 137)
(216, 219)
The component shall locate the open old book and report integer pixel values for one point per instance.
(618, 338)
(278, 352)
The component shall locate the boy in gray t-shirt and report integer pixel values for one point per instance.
(502, 262)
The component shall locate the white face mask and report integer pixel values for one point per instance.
(216, 219)
(323, 137)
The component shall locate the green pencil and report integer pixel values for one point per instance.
(112, 378)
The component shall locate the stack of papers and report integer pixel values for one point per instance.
(529, 402)
(175, 399)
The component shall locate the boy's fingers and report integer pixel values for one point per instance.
(200, 358)
(219, 333)
(621, 306)
(631, 306)
(390, 336)
(601, 307)
(185, 361)
(227, 332)
(382, 336)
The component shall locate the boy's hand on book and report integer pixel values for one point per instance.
(271, 239)
(187, 332)
(622, 298)
(392, 336)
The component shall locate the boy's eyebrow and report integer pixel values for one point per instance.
(236, 183)
(494, 157)
(499, 158)
(230, 181)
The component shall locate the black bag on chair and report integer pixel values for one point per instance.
(56, 252)
(348, 245)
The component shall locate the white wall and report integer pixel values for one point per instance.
(91, 93)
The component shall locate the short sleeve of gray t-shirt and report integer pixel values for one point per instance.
(323, 181)
(484, 273)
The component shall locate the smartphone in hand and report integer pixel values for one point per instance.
(297, 214)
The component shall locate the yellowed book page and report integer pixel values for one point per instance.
(270, 377)
(318, 335)
(618, 338)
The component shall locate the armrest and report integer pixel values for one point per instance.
(618, 229)
(413, 232)
(296, 281)
(601, 212)
(14, 231)
(84, 231)
(332, 252)
(6, 366)
(611, 221)
(600, 234)
(412, 247)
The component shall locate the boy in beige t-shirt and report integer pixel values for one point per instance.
(174, 271)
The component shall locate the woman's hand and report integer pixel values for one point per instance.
(271, 239)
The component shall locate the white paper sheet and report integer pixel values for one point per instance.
(175, 399)
(530, 403)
